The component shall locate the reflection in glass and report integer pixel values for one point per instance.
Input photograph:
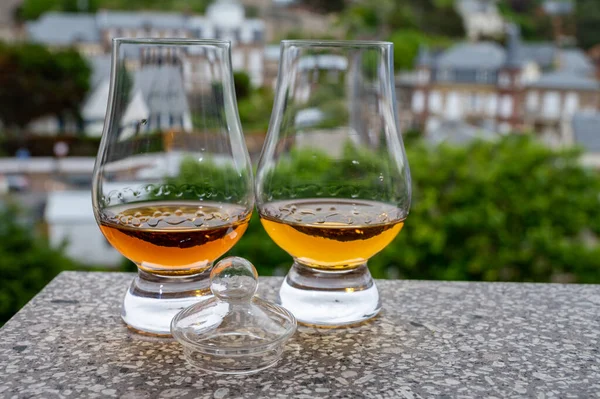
(172, 186)
(333, 183)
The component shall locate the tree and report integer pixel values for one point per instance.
(407, 43)
(27, 263)
(587, 21)
(512, 210)
(243, 86)
(35, 82)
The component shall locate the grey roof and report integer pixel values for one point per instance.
(586, 129)
(459, 132)
(543, 54)
(162, 88)
(131, 20)
(513, 46)
(558, 7)
(566, 80)
(476, 6)
(483, 55)
(100, 65)
(424, 57)
(575, 60)
(62, 29)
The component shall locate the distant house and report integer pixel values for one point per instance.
(71, 222)
(158, 97)
(558, 7)
(481, 18)
(92, 33)
(57, 29)
(514, 88)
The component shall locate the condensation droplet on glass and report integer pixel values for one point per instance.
(135, 222)
(198, 222)
(199, 213)
(293, 209)
(320, 220)
(178, 212)
(157, 214)
(319, 209)
(166, 214)
(332, 208)
(307, 212)
(153, 222)
(124, 219)
(137, 214)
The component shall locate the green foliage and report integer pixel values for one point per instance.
(533, 25)
(35, 82)
(243, 86)
(587, 21)
(33, 9)
(255, 110)
(378, 18)
(27, 263)
(204, 178)
(512, 210)
(407, 43)
(325, 6)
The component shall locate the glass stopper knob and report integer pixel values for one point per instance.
(234, 278)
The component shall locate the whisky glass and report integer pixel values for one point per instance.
(172, 185)
(333, 183)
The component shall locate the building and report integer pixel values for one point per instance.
(519, 87)
(481, 18)
(9, 28)
(71, 223)
(92, 33)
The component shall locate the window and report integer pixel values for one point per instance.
(237, 60)
(418, 101)
(435, 101)
(492, 105)
(258, 35)
(551, 106)
(571, 104)
(506, 106)
(533, 100)
(504, 79)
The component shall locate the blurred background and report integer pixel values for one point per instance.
(498, 100)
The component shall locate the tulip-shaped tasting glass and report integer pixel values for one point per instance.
(333, 182)
(172, 186)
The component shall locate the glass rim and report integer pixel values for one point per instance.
(170, 41)
(336, 43)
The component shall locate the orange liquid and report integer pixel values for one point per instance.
(332, 244)
(174, 239)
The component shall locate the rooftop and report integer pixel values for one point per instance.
(63, 29)
(567, 80)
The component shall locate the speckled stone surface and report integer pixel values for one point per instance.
(434, 339)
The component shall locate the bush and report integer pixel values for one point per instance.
(27, 263)
(512, 211)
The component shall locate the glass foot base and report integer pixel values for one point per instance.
(152, 301)
(330, 298)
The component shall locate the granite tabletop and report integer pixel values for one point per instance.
(433, 339)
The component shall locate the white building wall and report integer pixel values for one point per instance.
(84, 243)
